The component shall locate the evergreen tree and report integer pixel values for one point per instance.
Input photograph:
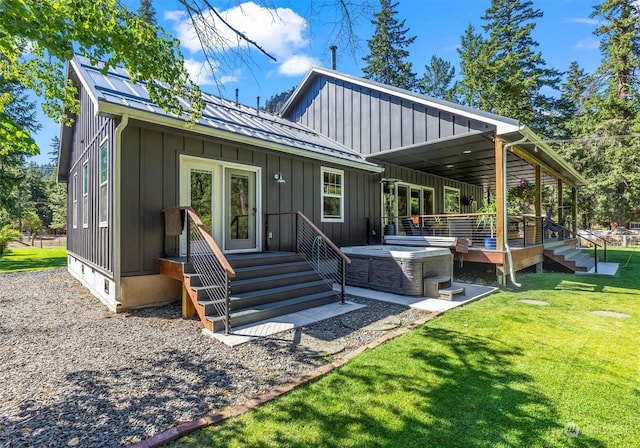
(508, 75)
(476, 82)
(614, 114)
(438, 80)
(147, 12)
(19, 110)
(386, 62)
(275, 103)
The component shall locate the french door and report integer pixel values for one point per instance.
(226, 199)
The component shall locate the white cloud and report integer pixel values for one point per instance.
(297, 65)
(589, 44)
(279, 32)
(584, 20)
(200, 72)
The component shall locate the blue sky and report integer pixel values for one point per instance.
(299, 41)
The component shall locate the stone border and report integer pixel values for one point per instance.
(184, 429)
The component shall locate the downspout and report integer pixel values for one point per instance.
(504, 207)
(117, 206)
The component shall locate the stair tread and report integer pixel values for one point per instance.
(257, 292)
(452, 290)
(270, 266)
(273, 277)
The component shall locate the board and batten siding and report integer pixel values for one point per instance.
(150, 181)
(92, 244)
(370, 121)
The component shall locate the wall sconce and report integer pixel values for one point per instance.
(278, 177)
(467, 200)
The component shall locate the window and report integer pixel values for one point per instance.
(74, 193)
(332, 195)
(451, 200)
(85, 195)
(103, 200)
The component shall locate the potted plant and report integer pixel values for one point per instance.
(487, 218)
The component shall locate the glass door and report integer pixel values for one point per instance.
(240, 209)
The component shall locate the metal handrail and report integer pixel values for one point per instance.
(318, 250)
(595, 244)
(210, 264)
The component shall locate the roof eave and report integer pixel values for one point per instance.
(108, 108)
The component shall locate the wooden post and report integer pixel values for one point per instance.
(560, 210)
(500, 192)
(574, 210)
(538, 205)
(188, 310)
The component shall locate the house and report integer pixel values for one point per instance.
(350, 155)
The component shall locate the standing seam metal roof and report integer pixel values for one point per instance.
(115, 87)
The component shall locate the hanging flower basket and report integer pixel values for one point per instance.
(525, 192)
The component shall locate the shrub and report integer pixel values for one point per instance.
(8, 234)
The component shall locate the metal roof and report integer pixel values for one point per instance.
(114, 92)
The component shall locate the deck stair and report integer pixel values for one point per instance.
(440, 287)
(266, 285)
(568, 255)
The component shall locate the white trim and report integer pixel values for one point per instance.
(117, 206)
(103, 223)
(323, 170)
(444, 199)
(87, 87)
(85, 194)
(218, 169)
(179, 123)
(94, 280)
(74, 201)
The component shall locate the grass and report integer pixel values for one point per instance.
(495, 373)
(32, 259)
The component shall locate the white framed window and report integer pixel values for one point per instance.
(74, 195)
(332, 196)
(451, 200)
(85, 195)
(103, 199)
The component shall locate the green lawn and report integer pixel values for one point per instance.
(496, 373)
(32, 259)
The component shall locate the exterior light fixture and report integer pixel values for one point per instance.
(279, 179)
(449, 166)
(466, 151)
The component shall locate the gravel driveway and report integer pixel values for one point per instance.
(74, 374)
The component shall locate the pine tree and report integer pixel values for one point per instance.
(507, 76)
(614, 114)
(386, 62)
(147, 12)
(438, 80)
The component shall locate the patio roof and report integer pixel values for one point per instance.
(471, 158)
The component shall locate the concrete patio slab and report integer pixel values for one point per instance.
(264, 328)
(603, 269)
(472, 292)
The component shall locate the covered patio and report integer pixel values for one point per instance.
(496, 161)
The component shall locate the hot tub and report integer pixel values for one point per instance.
(398, 269)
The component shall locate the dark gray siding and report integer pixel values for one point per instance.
(150, 182)
(370, 121)
(93, 244)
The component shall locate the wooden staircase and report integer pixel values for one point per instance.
(266, 285)
(568, 255)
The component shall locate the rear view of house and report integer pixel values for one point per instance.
(346, 162)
